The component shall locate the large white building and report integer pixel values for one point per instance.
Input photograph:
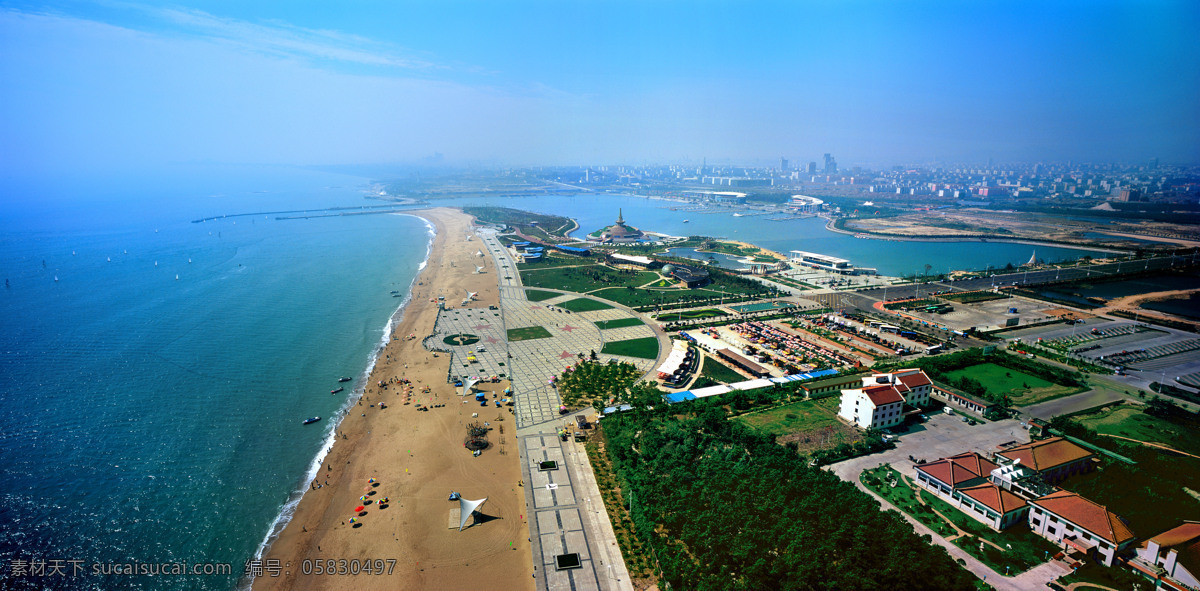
(876, 407)
(879, 403)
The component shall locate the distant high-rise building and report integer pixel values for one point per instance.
(812, 168)
(1154, 162)
(1126, 195)
(783, 164)
(830, 164)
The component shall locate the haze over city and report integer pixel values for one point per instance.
(91, 86)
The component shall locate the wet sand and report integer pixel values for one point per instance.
(417, 458)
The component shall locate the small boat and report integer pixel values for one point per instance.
(311, 420)
(343, 379)
(335, 391)
(686, 221)
(737, 215)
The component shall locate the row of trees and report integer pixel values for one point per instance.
(722, 506)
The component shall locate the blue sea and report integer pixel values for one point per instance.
(155, 372)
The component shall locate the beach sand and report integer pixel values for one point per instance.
(418, 458)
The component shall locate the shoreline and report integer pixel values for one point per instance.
(361, 381)
(416, 458)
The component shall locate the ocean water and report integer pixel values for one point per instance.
(155, 372)
(895, 258)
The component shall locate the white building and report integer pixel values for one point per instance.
(874, 407)
(1080, 526)
(1172, 557)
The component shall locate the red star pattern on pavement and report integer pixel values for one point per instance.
(535, 307)
(566, 355)
(492, 340)
(569, 328)
(481, 326)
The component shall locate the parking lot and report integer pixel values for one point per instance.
(941, 436)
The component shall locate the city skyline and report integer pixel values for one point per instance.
(127, 86)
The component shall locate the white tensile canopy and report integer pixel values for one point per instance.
(467, 508)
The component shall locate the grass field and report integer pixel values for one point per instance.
(625, 287)
(618, 323)
(806, 415)
(583, 305)
(584, 278)
(1022, 388)
(718, 372)
(645, 348)
(537, 295)
(528, 333)
(1130, 422)
(811, 425)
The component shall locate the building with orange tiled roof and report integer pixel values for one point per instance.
(876, 407)
(912, 384)
(1054, 458)
(1080, 526)
(962, 480)
(947, 475)
(1172, 557)
(996, 507)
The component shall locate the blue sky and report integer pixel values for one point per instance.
(123, 85)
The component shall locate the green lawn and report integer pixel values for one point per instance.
(1022, 388)
(805, 415)
(527, 333)
(644, 348)
(691, 314)
(537, 295)
(717, 371)
(1028, 549)
(1129, 421)
(584, 278)
(618, 323)
(583, 305)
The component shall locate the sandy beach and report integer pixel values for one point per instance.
(417, 459)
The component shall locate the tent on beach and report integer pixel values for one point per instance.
(468, 508)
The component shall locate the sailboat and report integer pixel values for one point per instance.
(56, 278)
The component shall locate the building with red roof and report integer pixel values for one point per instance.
(962, 480)
(1080, 525)
(876, 407)
(912, 384)
(1172, 557)
(1054, 458)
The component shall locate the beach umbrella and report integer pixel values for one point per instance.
(353, 520)
(358, 508)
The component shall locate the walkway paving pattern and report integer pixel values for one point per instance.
(566, 513)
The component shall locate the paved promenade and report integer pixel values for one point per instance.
(566, 514)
